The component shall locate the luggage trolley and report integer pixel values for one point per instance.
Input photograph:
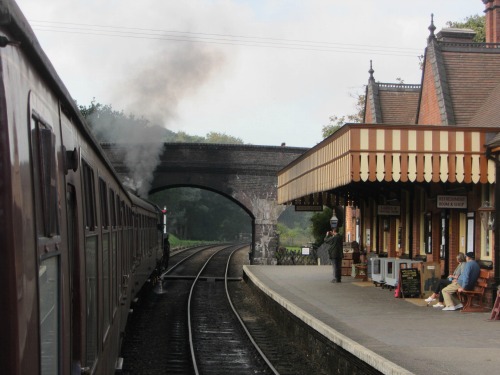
(378, 270)
(393, 267)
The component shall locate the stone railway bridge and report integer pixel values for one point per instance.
(246, 174)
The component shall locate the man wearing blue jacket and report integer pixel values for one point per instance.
(465, 281)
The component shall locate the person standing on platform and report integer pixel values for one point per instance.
(334, 240)
(465, 281)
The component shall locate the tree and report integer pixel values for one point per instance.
(476, 23)
(198, 214)
(321, 224)
(183, 137)
(214, 137)
(337, 122)
(109, 125)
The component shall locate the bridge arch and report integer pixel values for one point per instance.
(246, 174)
(249, 234)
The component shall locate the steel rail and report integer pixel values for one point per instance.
(264, 357)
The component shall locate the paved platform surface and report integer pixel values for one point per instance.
(394, 335)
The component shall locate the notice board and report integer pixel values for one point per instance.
(410, 282)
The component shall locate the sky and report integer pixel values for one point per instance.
(265, 71)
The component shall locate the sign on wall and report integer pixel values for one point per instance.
(309, 207)
(383, 209)
(452, 201)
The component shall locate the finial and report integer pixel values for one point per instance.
(432, 28)
(371, 71)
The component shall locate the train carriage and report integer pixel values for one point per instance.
(75, 246)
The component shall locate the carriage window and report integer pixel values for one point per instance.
(44, 150)
(48, 278)
(103, 199)
(89, 196)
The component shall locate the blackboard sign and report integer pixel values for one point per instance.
(410, 282)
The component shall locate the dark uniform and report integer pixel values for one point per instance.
(336, 254)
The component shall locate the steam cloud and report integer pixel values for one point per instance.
(153, 90)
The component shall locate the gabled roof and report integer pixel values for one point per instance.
(460, 84)
(390, 103)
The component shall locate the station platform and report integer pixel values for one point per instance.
(393, 335)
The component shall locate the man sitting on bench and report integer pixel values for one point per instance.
(465, 281)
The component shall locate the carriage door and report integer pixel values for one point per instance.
(444, 235)
(43, 148)
(75, 275)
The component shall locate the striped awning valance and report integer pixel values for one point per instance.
(367, 152)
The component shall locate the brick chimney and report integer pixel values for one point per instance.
(492, 11)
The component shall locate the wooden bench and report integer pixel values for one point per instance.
(473, 300)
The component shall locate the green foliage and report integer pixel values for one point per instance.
(337, 122)
(476, 23)
(183, 137)
(294, 227)
(177, 242)
(214, 137)
(109, 125)
(290, 256)
(320, 225)
(198, 214)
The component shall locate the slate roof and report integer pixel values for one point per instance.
(489, 113)
(463, 85)
(470, 75)
(398, 103)
(391, 103)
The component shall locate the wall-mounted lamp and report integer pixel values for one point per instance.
(486, 213)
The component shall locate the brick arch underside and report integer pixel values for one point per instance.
(224, 194)
(256, 195)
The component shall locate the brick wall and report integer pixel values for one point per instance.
(429, 113)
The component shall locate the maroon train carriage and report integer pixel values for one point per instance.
(75, 246)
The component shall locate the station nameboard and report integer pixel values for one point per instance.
(452, 201)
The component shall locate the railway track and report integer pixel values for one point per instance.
(219, 341)
(193, 326)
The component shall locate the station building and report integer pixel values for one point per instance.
(418, 176)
